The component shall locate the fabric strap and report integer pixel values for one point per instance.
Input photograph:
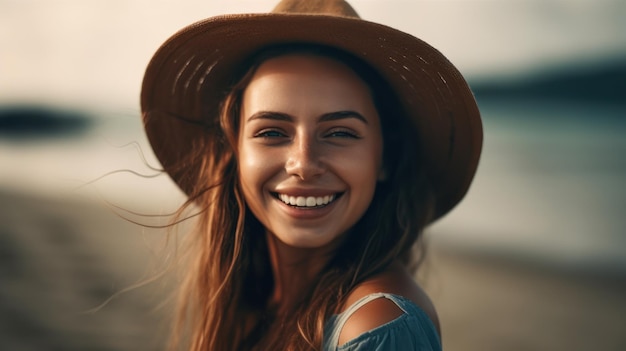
(345, 315)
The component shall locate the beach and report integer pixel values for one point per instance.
(76, 276)
(69, 266)
(491, 303)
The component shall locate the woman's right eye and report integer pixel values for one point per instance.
(269, 133)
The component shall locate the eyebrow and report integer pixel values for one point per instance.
(276, 116)
(331, 116)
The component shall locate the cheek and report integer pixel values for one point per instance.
(255, 171)
(255, 168)
(249, 180)
(367, 163)
(360, 170)
(248, 167)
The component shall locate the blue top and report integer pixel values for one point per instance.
(412, 331)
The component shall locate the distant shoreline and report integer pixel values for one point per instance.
(603, 82)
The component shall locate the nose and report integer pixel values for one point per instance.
(303, 159)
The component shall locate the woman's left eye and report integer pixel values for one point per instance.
(269, 133)
(342, 134)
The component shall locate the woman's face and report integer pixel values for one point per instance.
(310, 148)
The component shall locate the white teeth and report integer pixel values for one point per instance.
(300, 201)
(309, 201)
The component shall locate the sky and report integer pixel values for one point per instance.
(94, 52)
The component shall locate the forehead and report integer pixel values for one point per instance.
(292, 63)
(307, 79)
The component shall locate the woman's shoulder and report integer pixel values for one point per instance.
(382, 299)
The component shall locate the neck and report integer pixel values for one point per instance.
(295, 271)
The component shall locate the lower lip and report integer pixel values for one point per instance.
(306, 212)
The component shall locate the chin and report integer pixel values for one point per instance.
(310, 240)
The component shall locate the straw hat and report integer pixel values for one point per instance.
(191, 72)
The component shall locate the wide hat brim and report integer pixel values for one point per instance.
(191, 73)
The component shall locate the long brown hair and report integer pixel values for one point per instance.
(228, 279)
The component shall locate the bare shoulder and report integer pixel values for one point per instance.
(395, 280)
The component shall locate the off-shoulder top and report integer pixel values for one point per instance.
(411, 331)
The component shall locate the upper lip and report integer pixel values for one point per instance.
(305, 192)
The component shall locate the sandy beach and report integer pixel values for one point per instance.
(62, 258)
(492, 303)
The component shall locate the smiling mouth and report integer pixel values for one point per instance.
(307, 201)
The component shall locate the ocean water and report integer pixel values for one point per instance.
(111, 161)
(551, 184)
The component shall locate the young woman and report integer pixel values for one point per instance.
(317, 147)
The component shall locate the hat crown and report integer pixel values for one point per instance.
(319, 7)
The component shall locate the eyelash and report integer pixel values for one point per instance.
(266, 134)
(272, 133)
(343, 134)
